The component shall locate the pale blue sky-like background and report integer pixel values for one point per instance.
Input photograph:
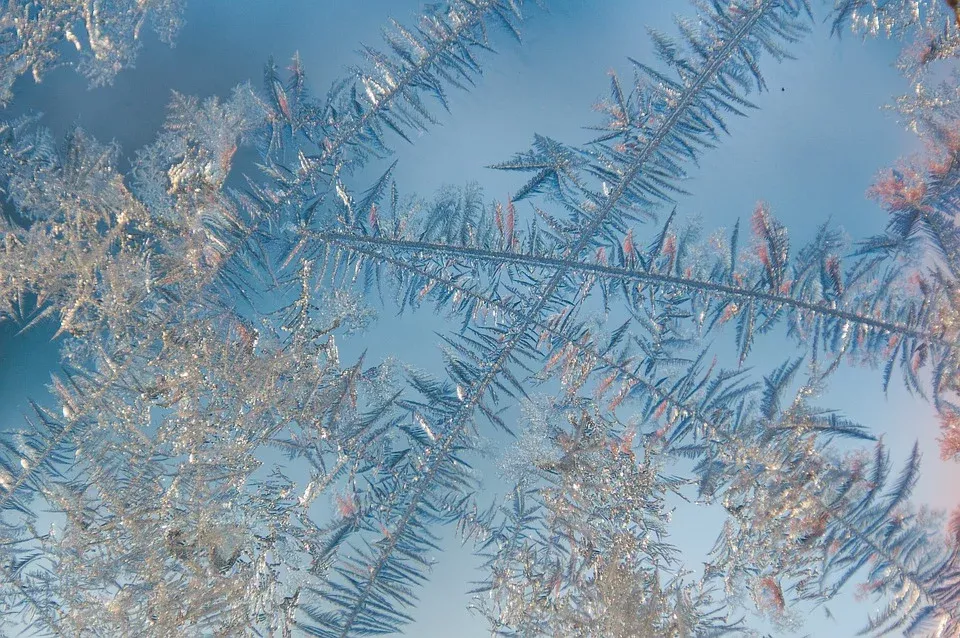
(810, 151)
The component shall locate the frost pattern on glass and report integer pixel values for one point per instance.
(216, 467)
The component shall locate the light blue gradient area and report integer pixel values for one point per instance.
(810, 151)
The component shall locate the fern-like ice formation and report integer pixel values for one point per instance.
(215, 467)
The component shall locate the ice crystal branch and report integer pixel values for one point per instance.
(194, 239)
(480, 369)
(823, 304)
(159, 431)
(580, 546)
